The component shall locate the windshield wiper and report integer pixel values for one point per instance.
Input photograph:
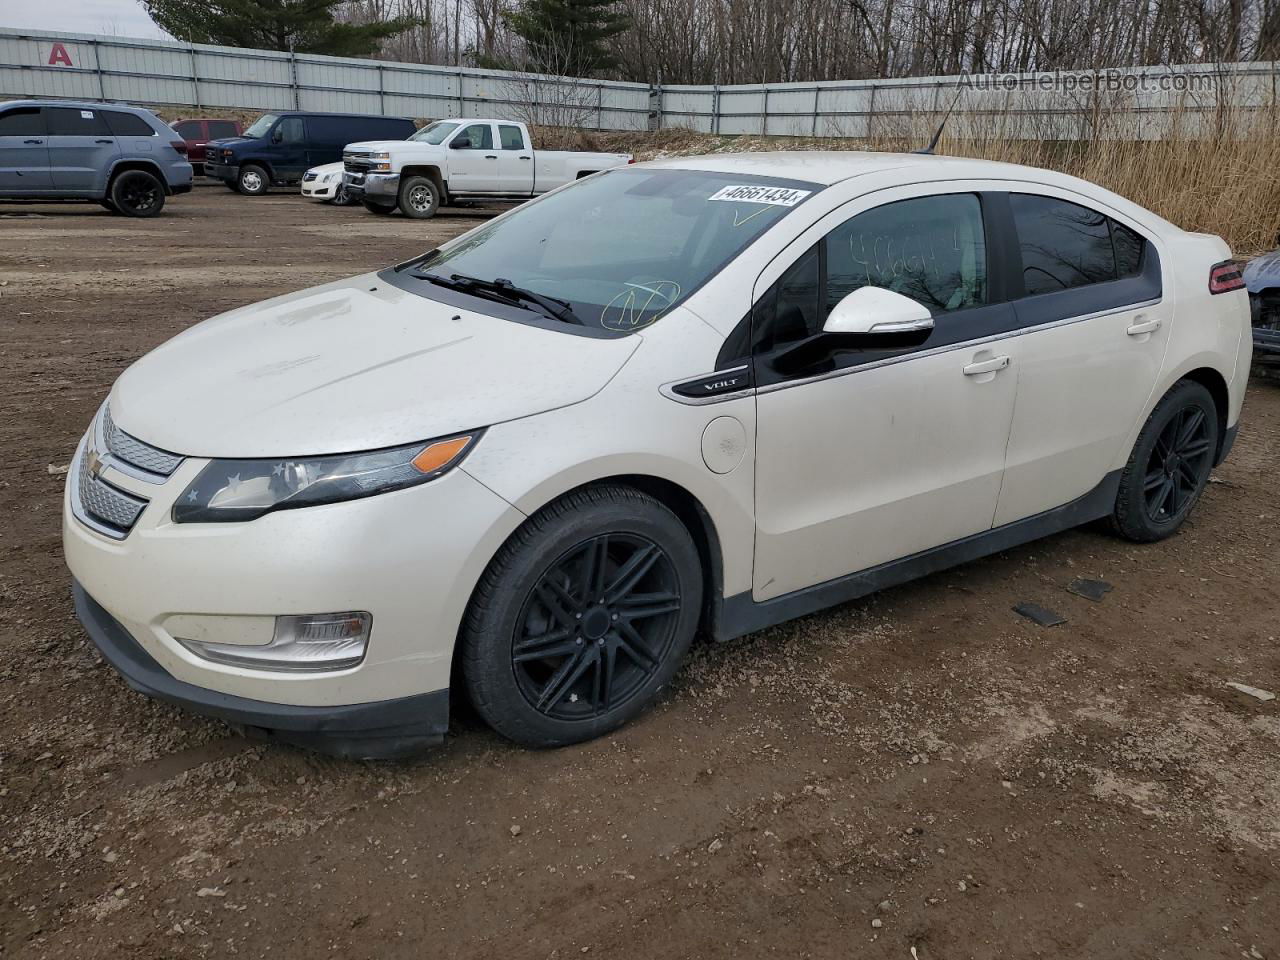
(506, 291)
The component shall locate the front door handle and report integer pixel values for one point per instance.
(33, 141)
(1141, 326)
(979, 367)
(491, 156)
(104, 141)
(524, 158)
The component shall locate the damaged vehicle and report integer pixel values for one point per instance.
(698, 395)
(1262, 280)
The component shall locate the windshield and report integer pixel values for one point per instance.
(623, 247)
(435, 133)
(262, 125)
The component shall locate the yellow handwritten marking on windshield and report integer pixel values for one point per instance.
(627, 311)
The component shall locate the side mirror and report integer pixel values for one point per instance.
(869, 318)
(460, 143)
(875, 311)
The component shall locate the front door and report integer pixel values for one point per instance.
(872, 456)
(1096, 327)
(24, 153)
(474, 168)
(82, 149)
(289, 149)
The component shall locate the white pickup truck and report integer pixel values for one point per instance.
(468, 159)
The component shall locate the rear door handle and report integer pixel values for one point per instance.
(979, 367)
(1141, 326)
(33, 141)
(104, 141)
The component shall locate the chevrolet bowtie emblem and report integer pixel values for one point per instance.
(93, 461)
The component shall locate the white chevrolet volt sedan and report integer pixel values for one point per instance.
(701, 395)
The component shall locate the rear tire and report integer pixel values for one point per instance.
(419, 198)
(137, 193)
(1169, 466)
(378, 208)
(252, 180)
(582, 617)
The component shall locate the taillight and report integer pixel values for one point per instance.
(1225, 277)
(180, 146)
(631, 159)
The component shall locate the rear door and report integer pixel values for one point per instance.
(474, 168)
(1095, 325)
(326, 136)
(24, 152)
(81, 149)
(515, 160)
(194, 133)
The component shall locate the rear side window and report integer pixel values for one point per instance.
(188, 130)
(389, 128)
(220, 128)
(511, 137)
(128, 124)
(22, 122)
(1065, 245)
(76, 122)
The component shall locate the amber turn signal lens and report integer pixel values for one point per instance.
(440, 454)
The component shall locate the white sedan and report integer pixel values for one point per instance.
(704, 394)
(324, 183)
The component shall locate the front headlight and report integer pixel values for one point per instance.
(228, 490)
(381, 161)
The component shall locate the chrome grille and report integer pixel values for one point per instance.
(309, 176)
(134, 452)
(105, 508)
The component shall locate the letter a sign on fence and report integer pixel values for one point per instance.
(58, 56)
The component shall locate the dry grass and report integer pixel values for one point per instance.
(1228, 185)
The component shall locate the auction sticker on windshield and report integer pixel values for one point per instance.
(777, 196)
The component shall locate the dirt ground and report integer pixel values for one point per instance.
(922, 774)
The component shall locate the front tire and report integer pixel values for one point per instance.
(378, 208)
(1170, 465)
(137, 193)
(252, 180)
(419, 198)
(582, 618)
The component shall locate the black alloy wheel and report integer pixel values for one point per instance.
(136, 193)
(1179, 462)
(596, 626)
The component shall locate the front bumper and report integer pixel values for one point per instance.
(381, 730)
(374, 187)
(410, 558)
(317, 190)
(216, 170)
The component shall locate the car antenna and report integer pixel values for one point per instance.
(928, 151)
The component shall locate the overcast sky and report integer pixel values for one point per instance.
(124, 18)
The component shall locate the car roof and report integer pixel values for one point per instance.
(827, 167)
(75, 105)
(332, 113)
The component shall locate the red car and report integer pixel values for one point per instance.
(198, 131)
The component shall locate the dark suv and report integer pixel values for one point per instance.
(279, 148)
(124, 158)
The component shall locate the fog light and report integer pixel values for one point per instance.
(318, 641)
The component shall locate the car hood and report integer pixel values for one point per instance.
(379, 146)
(1262, 273)
(349, 366)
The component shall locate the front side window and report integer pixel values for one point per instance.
(1065, 245)
(623, 248)
(75, 122)
(480, 135)
(262, 126)
(21, 122)
(435, 133)
(511, 137)
(291, 130)
(931, 249)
